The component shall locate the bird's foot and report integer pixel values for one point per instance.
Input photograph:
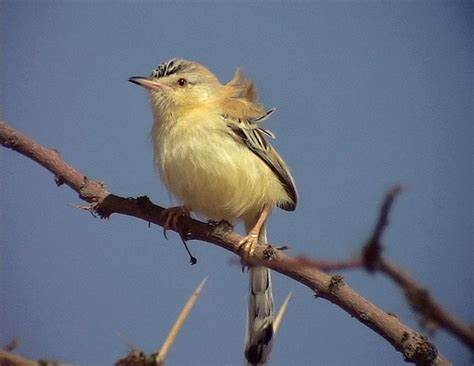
(171, 216)
(248, 244)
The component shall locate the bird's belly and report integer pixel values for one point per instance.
(216, 176)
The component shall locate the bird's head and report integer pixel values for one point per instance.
(178, 85)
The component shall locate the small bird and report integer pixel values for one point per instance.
(213, 156)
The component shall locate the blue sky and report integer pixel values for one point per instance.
(367, 94)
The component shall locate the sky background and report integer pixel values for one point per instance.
(368, 94)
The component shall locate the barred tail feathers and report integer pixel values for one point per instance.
(260, 315)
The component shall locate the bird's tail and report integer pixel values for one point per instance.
(260, 313)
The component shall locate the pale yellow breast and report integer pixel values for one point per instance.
(210, 172)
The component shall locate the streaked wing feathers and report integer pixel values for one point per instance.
(253, 137)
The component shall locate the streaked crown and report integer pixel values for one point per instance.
(177, 66)
(169, 68)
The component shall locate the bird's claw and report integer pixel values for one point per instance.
(247, 245)
(171, 216)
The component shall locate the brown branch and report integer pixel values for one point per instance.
(333, 266)
(423, 303)
(414, 346)
(373, 249)
(13, 359)
(417, 296)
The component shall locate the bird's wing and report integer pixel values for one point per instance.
(253, 136)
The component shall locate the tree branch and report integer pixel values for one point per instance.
(8, 358)
(414, 346)
(419, 298)
(11, 359)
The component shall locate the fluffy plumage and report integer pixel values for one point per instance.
(208, 150)
(214, 157)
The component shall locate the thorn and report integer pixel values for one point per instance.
(175, 329)
(192, 259)
(281, 313)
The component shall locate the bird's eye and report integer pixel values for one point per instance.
(182, 82)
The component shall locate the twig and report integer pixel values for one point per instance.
(423, 303)
(414, 347)
(417, 296)
(163, 351)
(13, 359)
(373, 249)
(12, 345)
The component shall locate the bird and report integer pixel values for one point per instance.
(215, 158)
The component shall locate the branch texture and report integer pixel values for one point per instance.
(432, 313)
(8, 358)
(414, 346)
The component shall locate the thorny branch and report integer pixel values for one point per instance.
(8, 358)
(414, 346)
(13, 359)
(373, 249)
(136, 357)
(432, 313)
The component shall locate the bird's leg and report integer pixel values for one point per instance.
(171, 216)
(248, 243)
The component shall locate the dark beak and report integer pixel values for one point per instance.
(147, 83)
